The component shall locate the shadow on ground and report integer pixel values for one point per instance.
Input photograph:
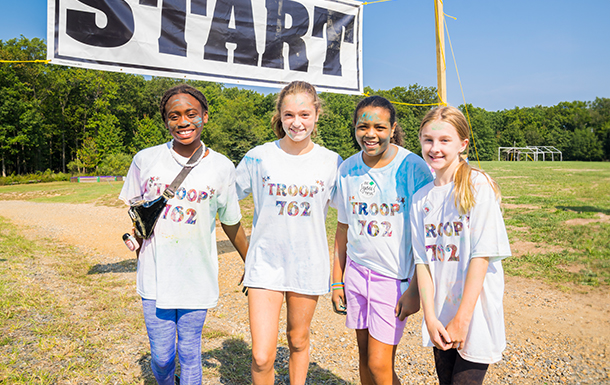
(126, 266)
(233, 360)
(147, 375)
(584, 209)
(131, 265)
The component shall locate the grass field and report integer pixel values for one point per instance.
(559, 213)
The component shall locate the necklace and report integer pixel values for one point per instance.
(180, 159)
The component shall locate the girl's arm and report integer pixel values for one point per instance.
(409, 300)
(475, 276)
(438, 334)
(338, 295)
(238, 238)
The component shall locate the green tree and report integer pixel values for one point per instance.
(483, 137)
(335, 126)
(87, 157)
(109, 138)
(585, 146)
(149, 133)
(115, 165)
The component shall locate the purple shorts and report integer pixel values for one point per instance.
(371, 303)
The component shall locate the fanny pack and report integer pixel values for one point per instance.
(145, 214)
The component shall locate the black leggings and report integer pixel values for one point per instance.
(452, 369)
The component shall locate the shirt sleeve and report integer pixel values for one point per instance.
(488, 237)
(228, 204)
(421, 174)
(243, 179)
(418, 241)
(334, 189)
(133, 188)
(339, 200)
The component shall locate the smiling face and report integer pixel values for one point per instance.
(185, 120)
(299, 116)
(441, 147)
(374, 131)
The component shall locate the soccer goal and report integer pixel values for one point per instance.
(533, 153)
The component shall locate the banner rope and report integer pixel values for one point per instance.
(373, 2)
(366, 94)
(25, 61)
(476, 151)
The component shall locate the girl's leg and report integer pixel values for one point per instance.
(300, 312)
(452, 369)
(190, 325)
(264, 307)
(444, 360)
(161, 328)
(381, 358)
(362, 336)
(468, 373)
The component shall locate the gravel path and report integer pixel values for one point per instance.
(554, 337)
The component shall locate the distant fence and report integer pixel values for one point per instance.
(95, 179)
(533, 153)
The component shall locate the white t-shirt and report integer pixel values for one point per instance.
(375, 203)
(446, 241)
(288, 247)
(178, 264)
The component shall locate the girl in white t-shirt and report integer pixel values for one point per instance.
(292, 181)
(177, 275)
(459, 240)
(373, 263)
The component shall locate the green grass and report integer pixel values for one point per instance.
(59, 322)
(105, 193)
(544, 201)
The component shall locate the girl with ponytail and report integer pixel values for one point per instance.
(459, 240)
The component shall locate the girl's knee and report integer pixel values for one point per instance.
(163, 364)
(262, 360)
(379, 367)
(298, 341)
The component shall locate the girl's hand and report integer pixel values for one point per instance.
(438, 334)
(338, 300)
(408, 303)
(460, 324)
(458, 330)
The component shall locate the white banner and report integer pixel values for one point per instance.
(250, 42)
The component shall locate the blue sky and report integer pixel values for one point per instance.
(509, 53)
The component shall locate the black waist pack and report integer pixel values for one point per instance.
(145, 214)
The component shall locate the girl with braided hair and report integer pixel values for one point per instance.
(177, 274)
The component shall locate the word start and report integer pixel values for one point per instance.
(120, 27)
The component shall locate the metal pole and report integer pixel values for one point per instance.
(440, 51)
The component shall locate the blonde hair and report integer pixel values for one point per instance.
(296, 87)
(463, 192)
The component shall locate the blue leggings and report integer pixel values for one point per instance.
(161, 325)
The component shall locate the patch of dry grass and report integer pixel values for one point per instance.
(63, 320)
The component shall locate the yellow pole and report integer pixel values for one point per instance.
(440, 51)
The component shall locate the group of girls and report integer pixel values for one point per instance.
(404, 239)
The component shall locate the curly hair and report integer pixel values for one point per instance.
(182, 89)
(381, 102)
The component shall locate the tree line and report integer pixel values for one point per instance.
(76, 120)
